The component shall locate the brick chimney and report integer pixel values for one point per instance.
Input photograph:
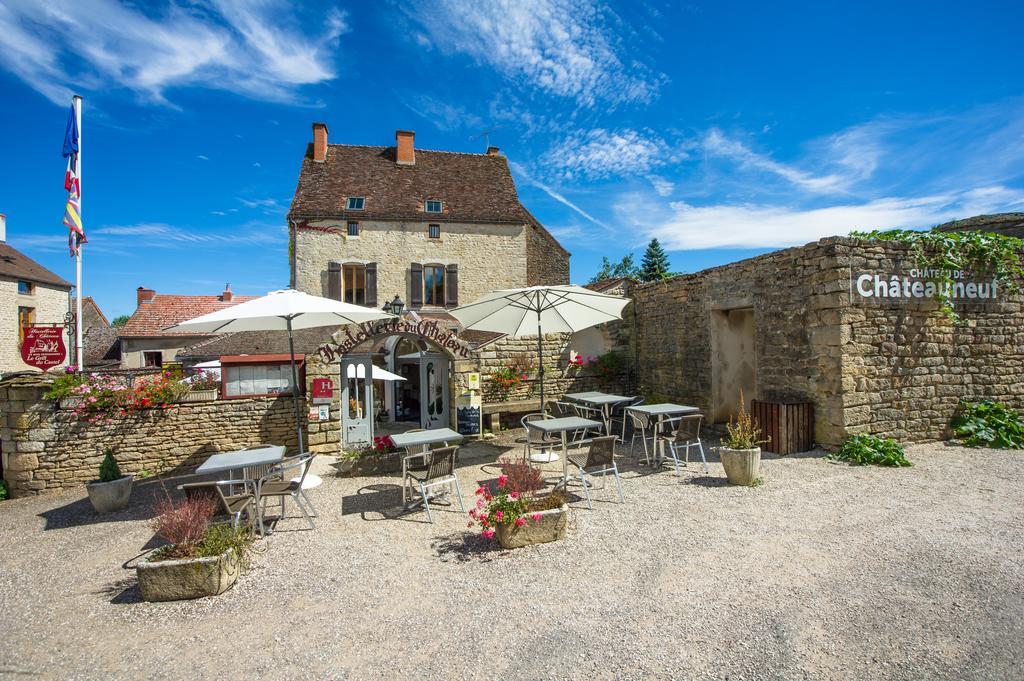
(493, 151)
(144, 295)
(227, 295)
(320, 142)
(406, 153)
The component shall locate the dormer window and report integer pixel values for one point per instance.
(433, 206)
(356, 202)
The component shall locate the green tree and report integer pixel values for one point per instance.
(624, 268)
(120, 321)
(655, 264)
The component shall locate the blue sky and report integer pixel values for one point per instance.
(723, 129)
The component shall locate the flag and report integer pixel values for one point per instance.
(72, 209)
(73, 220)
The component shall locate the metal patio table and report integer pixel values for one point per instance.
(242, 459)
(420, 438)
(562, 426)
(602, 402)
(661, 412)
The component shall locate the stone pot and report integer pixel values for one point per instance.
(200, 395)
(107, 497)
(742, 466)
(550, 527)
(182, 579)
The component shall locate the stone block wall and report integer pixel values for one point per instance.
(46, 448)
(547, 263)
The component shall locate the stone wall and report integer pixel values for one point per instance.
(50, 304)
(895, 368)
(46, 448)
(547, 263)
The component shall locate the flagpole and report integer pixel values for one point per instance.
(77, 101)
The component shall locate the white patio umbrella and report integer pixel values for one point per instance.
(540, 310)
(376, 373)
(285, 310)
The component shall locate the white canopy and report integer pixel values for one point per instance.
(378, 373)
(549, 309)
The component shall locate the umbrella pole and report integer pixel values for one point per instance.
(540, 356)
(295, 384)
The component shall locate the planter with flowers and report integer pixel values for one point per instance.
(202, 387)
(741, 449)
(98, 399)
(514, 514)
(607, 367)
(382, 456)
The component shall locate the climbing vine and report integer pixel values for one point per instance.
(983, 254)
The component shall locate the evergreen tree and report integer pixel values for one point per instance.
(655, 265)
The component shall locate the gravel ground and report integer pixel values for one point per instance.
(824, 572)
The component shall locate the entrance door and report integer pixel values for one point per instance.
(434, 408)
(733, 362)
(357, 400)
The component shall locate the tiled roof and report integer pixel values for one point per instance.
(17, 265)
(473, 187)
(150, 319)
(102, 347)
(257, 343)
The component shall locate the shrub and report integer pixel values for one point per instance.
(109, 470)
(862, 450)
(743, 432)
(3, 490)
(183, 524)
(63, 386)
(522, 478)
(204, 380)
(607, 365)
(989, 424)
(219, 538)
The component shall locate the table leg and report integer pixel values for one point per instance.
(565, 465)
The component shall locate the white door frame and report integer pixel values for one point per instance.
(357, 427)
(440, 364)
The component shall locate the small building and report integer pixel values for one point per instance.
(30, 295)
(144, 341)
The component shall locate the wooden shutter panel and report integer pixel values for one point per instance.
(371, 284)
(334, 280)
(416, 285)
(451, 286)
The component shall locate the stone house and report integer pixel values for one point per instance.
(144, 343)
(30, 294)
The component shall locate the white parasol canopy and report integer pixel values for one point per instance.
(285, 310)
(377, 373)
(538, 310)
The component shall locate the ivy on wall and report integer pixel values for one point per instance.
(983, 254)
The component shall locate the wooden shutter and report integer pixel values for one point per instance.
(371, 284)
(416, 285)
(451, 286)
(334, 280)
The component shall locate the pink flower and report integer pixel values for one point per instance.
(535, 517)
(520, 522)
(469, 524)
(487, 534)
(499, 516)
(480, 490)
(502, 480)
(513, 495)
(472, 514)
(479, 503)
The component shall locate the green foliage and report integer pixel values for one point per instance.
(983, 254)
(63, 386)
(624, 268)
(655, 264)
(989, 424)
(109, 470)
(3, 490)
(220, 538)
(742, 432)
(120, 321)
(862, 450)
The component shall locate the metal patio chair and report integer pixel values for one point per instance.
(440, 472)
(233, 502)
(641, 425)
(534, 439)
(686, 434)
(284, 481)
(599, 459)
(619, 415)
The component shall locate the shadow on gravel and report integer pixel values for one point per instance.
(384, 502)
(708, 481)
(123, 591)
(80, 512)
(467, 547)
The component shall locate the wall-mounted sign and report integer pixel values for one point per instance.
(429, 330)
(323, 390)
(314, 414)
(43, 346)
(324, 412)
(921, 284)
(473, 381)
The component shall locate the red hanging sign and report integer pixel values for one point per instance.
(323, 388)
(43, 346)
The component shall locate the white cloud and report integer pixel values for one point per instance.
(570, 48)
(661, 186)
(201, 157)
(680, 226)
(221, 44)
(267, 205)
(442, 113)
(601, 153)
(717, 144)
(519, 170)
(159, 234)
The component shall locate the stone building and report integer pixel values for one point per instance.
(30, 294)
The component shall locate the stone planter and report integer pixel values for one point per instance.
(742, 466)
(176, 580)
(107, 497)
(200, 395)
(550, 527)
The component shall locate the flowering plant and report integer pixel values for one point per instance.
(383, 444)
(204, 380)
(104, 396)
(507, 378)
(506, 505)
(607, 365)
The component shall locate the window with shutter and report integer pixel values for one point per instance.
(415, 285)
(433, 285)
(371, 284)
(451, 288)
(353, 278)
(334, 280)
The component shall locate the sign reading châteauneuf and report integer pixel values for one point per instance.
(922, 283)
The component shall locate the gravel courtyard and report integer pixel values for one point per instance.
(824, 572)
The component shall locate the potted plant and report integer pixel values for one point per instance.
(112, 491)
(199, 560)
(512, 513)
(202, 387)
(741, 448)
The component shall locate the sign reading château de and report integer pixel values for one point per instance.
(923, 284)
(43, 346)
(429, 330)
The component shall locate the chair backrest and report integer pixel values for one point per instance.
(639, 420)
(688, 427)
(292, 467)
(442, 463)
(602, 451)
(637, 401)
(531, 434)
(417, 449)
(559, 409)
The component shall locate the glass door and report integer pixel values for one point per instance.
(357, 400)
(434, 398)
